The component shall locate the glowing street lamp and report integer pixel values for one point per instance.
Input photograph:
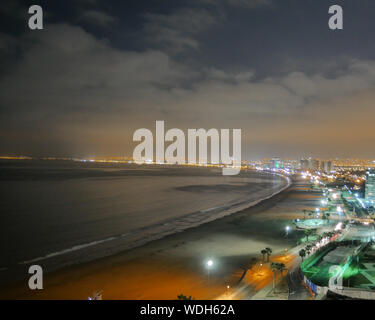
(287, 228)
(228, 287)
(209, 265)
(285, 252)
(259, 269)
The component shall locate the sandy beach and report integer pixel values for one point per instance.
(175, 265)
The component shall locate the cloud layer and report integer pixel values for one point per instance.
(67, 91)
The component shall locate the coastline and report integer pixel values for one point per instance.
(121, 235)
(164, 268)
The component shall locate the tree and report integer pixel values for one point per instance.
(304, 214)
(328, 215)
(183, 297)
(263, 252)
(308, 249)
(277, 267)
(308, 232)
(281, 267)
(274, 269)
(302, 253)
(269, 251)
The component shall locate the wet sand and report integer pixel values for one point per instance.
(175, 265)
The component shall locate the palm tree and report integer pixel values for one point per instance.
(307, 233)
(183, 297)
(269, 251)
(308, 249)
(281, 267)
(263, 252)
(302, 253)
(274, 269)
(326, 234)
(277, 267)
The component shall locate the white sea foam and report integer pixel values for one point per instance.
(157, 231)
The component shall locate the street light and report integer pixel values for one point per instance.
(209, 265)
(259, 273)
(287, 228)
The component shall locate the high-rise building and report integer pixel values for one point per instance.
(370, 185)
(330, 166)
(313, 164)
(304, 164)
(277, 163)
(326, 166)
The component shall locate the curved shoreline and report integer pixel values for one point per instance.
(114, 246)
(156, 232)
(173, 262)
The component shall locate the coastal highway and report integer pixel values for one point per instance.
(297, 291)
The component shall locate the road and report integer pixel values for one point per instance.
(297, 291)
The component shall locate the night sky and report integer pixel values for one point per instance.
(99, 70)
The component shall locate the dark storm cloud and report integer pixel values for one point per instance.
(245, 4)
(97, 18)
(176, 31)
(73, 90)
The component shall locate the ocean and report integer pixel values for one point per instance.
(59, 213)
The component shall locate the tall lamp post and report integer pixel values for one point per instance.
(287, 228)
(209, 265)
